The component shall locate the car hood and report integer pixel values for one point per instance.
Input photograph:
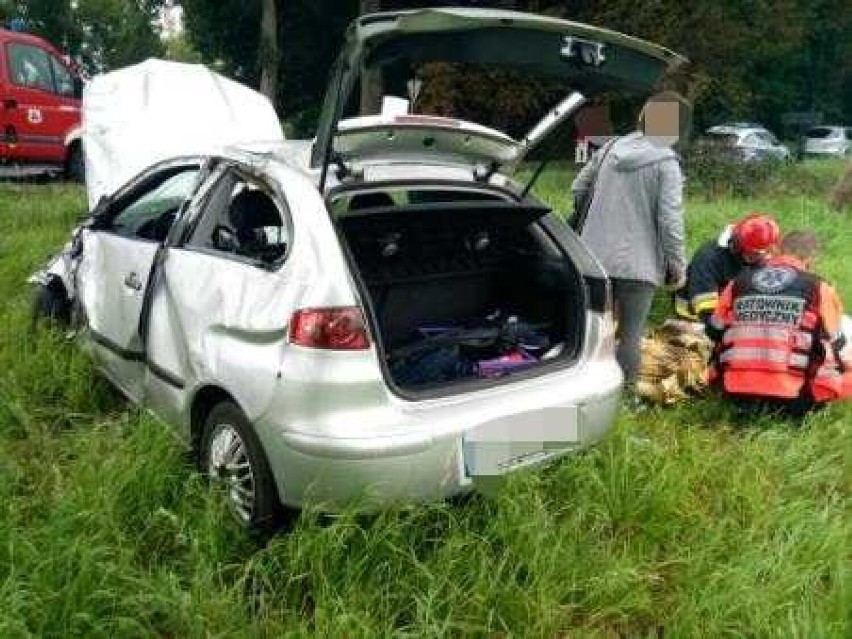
(589, 59)
(145, 113)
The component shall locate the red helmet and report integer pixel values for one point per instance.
(755, 235)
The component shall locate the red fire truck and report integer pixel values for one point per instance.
(40, 100)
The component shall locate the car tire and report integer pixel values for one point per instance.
(76, 168)
(51, 304)
(231, 454)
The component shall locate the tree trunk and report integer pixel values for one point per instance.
(371, 82)
(268, 53)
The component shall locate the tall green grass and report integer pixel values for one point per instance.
(683, 523)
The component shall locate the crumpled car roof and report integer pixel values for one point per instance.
(155, 110)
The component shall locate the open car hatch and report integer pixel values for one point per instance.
(588, 60)
(448, 139)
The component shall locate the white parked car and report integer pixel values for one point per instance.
(391, 317)
(733, 127)
(829, 140)
(749, 144)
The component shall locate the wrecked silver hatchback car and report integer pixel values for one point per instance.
(386, 314)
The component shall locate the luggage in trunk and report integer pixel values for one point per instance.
(465, 290)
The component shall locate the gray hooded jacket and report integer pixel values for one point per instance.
(635, 221)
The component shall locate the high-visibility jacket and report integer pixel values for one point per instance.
(846, 355)
(780, 334)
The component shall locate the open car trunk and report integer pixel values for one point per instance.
(464, 292)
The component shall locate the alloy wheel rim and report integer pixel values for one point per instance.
(230, 465)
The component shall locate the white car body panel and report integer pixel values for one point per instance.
(837, 143)
(753, 143)
(238, 319)
(155, 110)
(111, 281)
(330, 425)
(405, 136)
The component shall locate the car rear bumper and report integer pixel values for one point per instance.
(463, 441)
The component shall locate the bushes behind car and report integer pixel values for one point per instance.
(714, 172)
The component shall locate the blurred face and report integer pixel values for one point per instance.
(661, 122)
(756, 257)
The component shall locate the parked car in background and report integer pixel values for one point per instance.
(829, 140)
(733, 127)
(40, 100)
(392, 316)
(748, 144)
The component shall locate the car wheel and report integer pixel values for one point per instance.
(231, 455)
(50, 303)
(76, 169)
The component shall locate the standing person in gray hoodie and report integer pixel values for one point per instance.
(634, 221)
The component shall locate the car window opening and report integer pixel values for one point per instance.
(243, 220)
(149, 212)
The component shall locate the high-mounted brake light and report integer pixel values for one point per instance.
(340, 328)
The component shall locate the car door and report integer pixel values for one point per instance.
(119, 247)
(42, 110)
(219, 301)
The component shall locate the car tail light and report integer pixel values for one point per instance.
(608, 326)
(340, 328)
(608, 340)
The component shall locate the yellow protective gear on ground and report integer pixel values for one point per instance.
(674, 361)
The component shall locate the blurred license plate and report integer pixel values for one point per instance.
(509, 443)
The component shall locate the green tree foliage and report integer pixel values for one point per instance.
(52, 19)
(227, 33)
(102, 34)
(312, 36)
(121, 32)
(752, 59)
(180, 49)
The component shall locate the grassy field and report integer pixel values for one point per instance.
(682, 523)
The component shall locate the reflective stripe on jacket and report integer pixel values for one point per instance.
(774, 340)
